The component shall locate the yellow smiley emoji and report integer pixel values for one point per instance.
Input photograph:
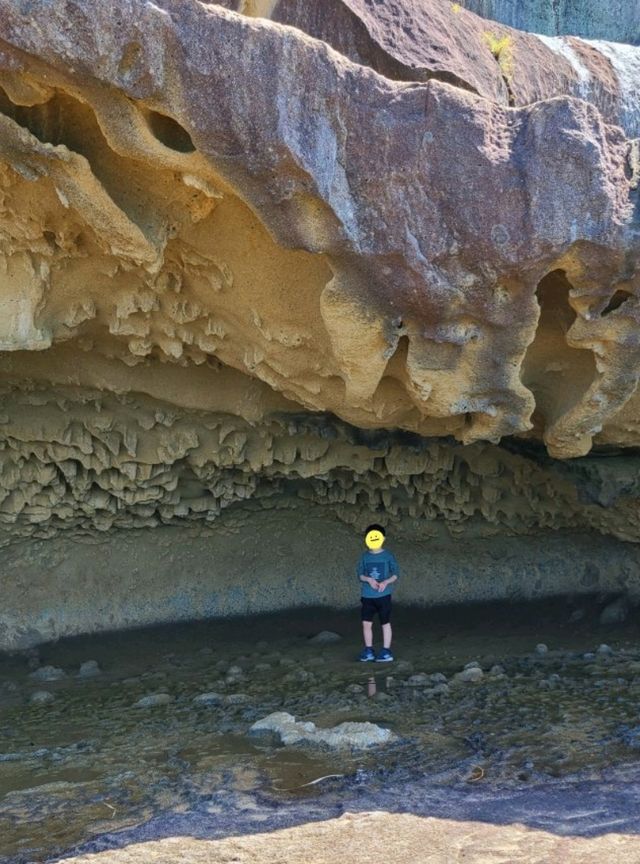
(374, 539)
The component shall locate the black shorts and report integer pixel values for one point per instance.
(376, 606)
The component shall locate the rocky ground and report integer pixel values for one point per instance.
(501, 714)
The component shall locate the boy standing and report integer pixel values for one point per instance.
(377, 571)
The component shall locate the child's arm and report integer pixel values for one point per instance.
(363, 577)
(393, 567)
(375, 585)
(382, 585)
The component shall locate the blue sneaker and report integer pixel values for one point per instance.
(367, 655)
(384, 656)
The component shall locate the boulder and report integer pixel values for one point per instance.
(355, 736)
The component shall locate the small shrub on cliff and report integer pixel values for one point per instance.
(502, 49)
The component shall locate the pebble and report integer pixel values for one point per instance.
(604, 650)
(589, 656)
(419, 680)
(236, 699)
(381, 696)
(89, 669)
(235, 671)
(472, 665)
(438, 678)
(470, 674)
(48, 673)
(299, 675)
(541, 649)
(440, 689)
(355, 688)
(153, 700)
(42, 697)
(325, 637)
(208, 699)
(497, 669)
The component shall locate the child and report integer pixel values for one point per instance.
(377, 571)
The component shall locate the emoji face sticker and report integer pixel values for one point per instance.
(374, 538)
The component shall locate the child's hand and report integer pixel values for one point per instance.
(374, 584)
(382, 585)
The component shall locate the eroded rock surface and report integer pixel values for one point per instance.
(289, 250)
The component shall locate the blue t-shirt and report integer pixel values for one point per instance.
(379, 566)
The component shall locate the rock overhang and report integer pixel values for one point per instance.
(240, 257)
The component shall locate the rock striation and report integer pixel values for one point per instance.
(263, 251)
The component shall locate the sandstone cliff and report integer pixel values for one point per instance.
(289, 252)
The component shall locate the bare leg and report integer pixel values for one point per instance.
(367, 633)
(386, 635)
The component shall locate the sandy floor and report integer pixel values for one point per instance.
(381, 838)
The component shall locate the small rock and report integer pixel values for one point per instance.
(48, 673)
(497, 669)
(235, 672)
(298, 676)
(604, 650)
(263, 667)
(89, 669)
(41, 697)
(381, 696)
(236, 699)
(438, 678)
(472, 665)
(205, 651)
(544, 685)
(419, 680)
(439, 690)
(208, 699)
(541, 649)
(615, 612)
(153, 700)
(589, 656)
(470, 674)
(325, 637)
(222, 665)
(10, 686)
(287, 661)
